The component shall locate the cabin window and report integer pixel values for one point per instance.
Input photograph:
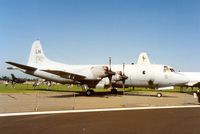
(144, 72)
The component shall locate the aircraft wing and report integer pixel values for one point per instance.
(80, 78)
(21, 66)
(66, 74)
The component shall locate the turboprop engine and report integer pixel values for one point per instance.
(101, 71)
(117, 76)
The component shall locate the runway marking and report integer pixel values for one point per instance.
(94, 110)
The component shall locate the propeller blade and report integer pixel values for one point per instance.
(123, 68)
(110, 61)
(124, 77)
(110, 73)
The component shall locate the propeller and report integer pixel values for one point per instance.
(124, 77)
(110, 73)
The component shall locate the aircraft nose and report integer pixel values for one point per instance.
(182, 80)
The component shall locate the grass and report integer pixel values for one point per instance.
(27, 88)
(18, 89)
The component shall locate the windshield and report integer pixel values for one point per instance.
(172, 70)
(168, 69)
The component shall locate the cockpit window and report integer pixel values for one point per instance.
(168, 69)
(172, 70)
(165, 69)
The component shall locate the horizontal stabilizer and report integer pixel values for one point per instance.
(21, 66)
(66, 74)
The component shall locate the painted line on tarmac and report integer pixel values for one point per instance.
(95, 110)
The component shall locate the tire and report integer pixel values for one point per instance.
(114, 91)
(89, 92)
(159, 95)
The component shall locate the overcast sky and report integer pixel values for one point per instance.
(89, 31)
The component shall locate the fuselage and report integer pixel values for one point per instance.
(151, 75)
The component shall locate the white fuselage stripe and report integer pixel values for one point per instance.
(94, 110)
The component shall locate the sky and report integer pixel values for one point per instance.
(90, 31)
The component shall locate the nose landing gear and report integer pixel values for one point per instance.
(159, 95)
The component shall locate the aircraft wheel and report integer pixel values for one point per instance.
(114, 91)
(89, 92)
(159, 95)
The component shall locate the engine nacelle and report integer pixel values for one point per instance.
(103, 83)
(99, 71)
(100, 85)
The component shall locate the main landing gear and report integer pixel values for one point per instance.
(113, 91)
(89, 92)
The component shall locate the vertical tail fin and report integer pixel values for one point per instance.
(37, 57)
(143, 59)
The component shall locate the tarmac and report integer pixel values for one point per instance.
(146, 121)
(51, 101)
